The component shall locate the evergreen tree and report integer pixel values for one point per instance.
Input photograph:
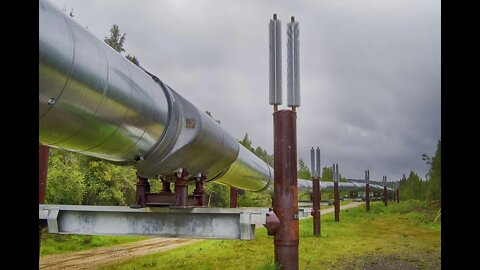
(116, 40)
(327, 174)
(434, 173)
(303, 170)
(247, 143)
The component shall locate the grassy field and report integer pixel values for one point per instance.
(400, 236)
(58, 243)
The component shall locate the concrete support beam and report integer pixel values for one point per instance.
(210, 223)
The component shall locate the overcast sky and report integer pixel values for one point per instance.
(370, 71)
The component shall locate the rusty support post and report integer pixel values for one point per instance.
(385, 198)
(367, 190)
(181, 189)
(233, 197)
(398, 195)
(199, 191)
(336, 201)
(316, 206)
(147, 187)
(285, 204)
(141, 189)
(336, 197)
(166, 186)
(43, 151)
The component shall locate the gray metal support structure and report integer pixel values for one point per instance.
(210, 223)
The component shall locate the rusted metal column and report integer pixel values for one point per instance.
(142, 187)
(398, 195)
(181, 189)
(166, 186)
(233, 197)
(367, 190)
(316, 206)
(285, 189)
(385, 198)
(147, 186)
(199, 191)
(336, 197)
(316, 191)
(43, 151)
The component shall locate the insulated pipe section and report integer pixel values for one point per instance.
(254, 173)
(91, 99)
(95, 102)
(201, 144)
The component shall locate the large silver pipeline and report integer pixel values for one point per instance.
(95, 102)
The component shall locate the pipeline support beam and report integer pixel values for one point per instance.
(367, 190)
(233, 197)
(336, 202)
(166, 186)
(316, 206)
(385, 195)
(199, 192)
(181, 189)
(210, 223)
(140, 193)
(336, 195)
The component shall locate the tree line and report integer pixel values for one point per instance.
(414, 187)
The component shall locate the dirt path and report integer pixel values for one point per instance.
(342, 207)
(89, 259)
(92, 258)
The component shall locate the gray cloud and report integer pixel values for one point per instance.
(370, 70)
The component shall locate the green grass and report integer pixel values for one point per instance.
(403, 233)
(58, 243)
